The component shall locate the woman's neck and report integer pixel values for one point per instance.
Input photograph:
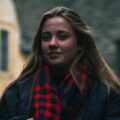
(58, 74)
(59, 71)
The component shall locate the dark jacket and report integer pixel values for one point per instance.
(100, 105)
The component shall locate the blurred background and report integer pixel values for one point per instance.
(19, 21)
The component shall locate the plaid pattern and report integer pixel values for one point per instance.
(52, 102)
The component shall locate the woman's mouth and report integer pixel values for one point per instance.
(54, 54)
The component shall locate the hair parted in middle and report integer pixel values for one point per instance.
(88, 54)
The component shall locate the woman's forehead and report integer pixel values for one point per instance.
(56, 23)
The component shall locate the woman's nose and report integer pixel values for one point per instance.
(54, 41)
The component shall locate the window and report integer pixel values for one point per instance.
(3, 50)
(117, 42)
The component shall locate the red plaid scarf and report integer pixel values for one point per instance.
(52, 102)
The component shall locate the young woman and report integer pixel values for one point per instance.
(66, 78)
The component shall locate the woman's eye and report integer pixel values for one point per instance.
(46, 37)
(63, 36)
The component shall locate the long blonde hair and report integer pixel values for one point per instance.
(89, 54)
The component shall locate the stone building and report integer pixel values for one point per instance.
(10, 56)
(19, 20)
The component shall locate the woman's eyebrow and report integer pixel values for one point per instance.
(45, 32)
(63, 31)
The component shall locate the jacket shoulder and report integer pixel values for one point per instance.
(13, 96)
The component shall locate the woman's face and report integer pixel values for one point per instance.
(58, 42)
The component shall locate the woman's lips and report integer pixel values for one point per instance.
(54, 54)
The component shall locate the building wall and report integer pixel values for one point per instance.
(8, 22)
